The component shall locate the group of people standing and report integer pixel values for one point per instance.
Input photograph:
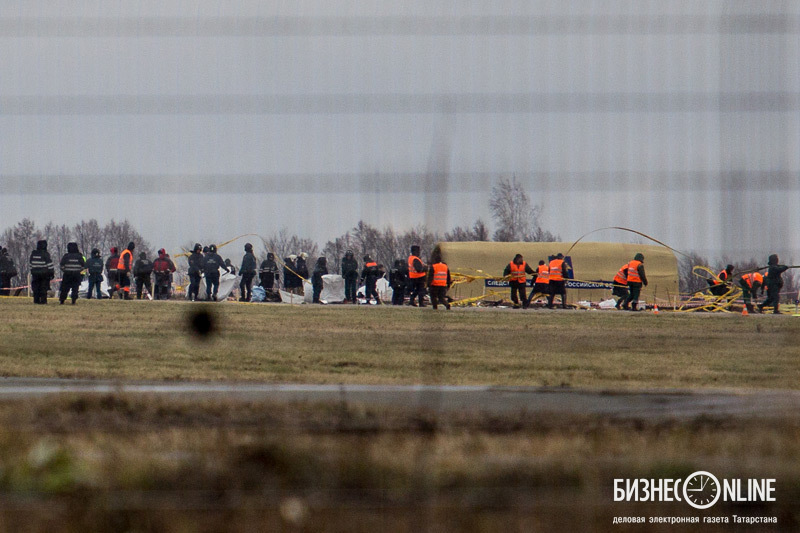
(550, 280)
(412, 277)
(119, 267)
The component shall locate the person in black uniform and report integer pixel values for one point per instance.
(142, 272)
(212, 263)
(42, 271)
(95, 267)
(320, 269)
(268, 272)
(350, 275)
(111, 271)
(7, 271)
(774, 284)
(370, 274)
(196, 267)
(302, 269)
(71, 266)
(248, 272)
(290, 279)
(398, 279)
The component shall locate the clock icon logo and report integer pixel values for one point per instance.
(701, 490)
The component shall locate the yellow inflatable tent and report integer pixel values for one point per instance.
(594, 265)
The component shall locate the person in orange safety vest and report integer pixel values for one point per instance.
(518, 269)
(620, 288)
(541, 285)
(417, 270)
(636, 279)
(438, 281)
(124, 271)
(558, 285)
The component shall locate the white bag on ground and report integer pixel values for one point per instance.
(383, 288)
(332, 289)
(103, 289)
(227, 282)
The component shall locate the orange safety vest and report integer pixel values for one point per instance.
(620, 278)
(753, 277)
(543, 274)
(121, 265)
(439, 275)
(373, 264)
(722, 276)
(412, 273)
(633, 272)
(517, 272)
(556, 272)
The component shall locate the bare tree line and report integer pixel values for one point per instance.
(515, 219)
(21, 239)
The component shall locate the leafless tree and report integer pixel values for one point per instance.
(516, 218)
(20, 240)
(478, 232)
(89, 235)
(282, 244)
(119, 234)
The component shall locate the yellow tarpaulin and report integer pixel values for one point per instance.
(591, 261)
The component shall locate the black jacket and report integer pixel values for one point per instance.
(774, 281)
(40, 261)
(319, 271)
(7, 267)
(269, 268)
(370, 274)
(301, 269)
(142, 267)
(349, 268)
(248, 264)
(95, 265)
(72, 262)
(398, 277)
(196, 263)
(290, 279)
(212, 263)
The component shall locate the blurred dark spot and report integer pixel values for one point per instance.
(202, 324)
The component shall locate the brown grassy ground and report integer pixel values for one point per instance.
(344, 344)
(117, 463)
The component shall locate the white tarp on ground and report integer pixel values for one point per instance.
(384, 290)
(289, 298)
(332, 289)
(306, 298)
(85, 286)
(227, 282)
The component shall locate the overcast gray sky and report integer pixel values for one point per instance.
(203, 120)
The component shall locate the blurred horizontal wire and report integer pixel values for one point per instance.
(764, 23)
(309, 104)
(410, 182)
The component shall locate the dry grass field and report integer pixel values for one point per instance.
(149, 463)
(138, 463)
(366, 344)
